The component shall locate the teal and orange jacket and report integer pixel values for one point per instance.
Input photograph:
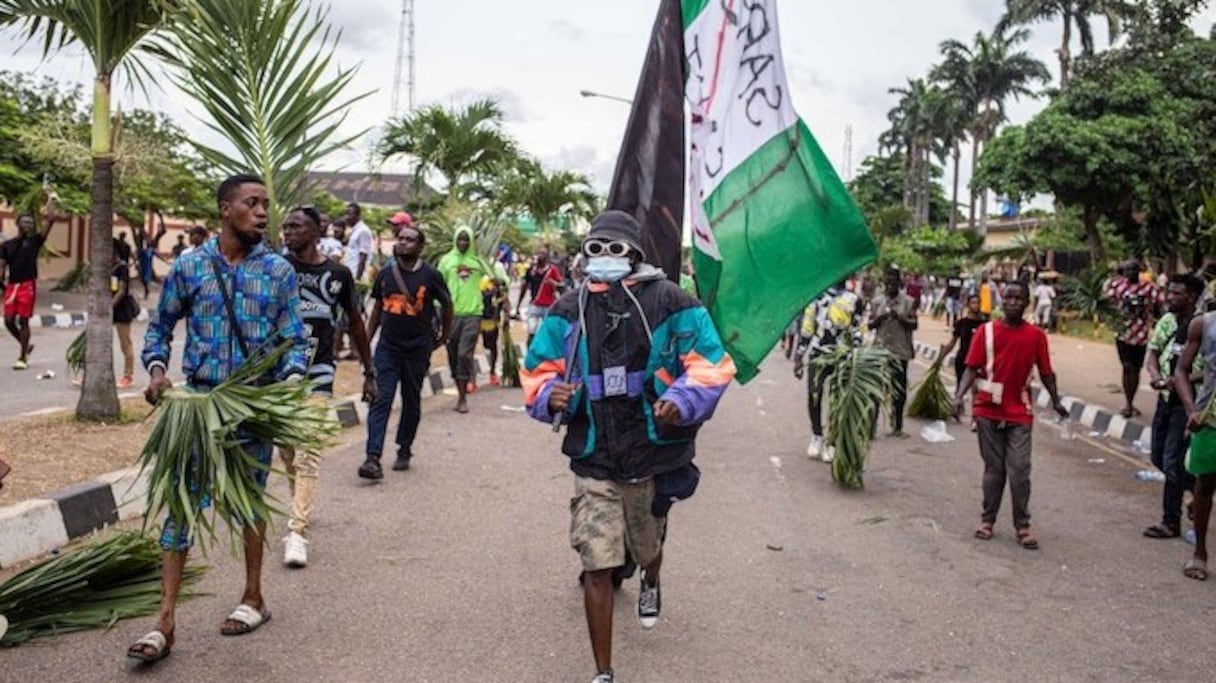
(641, 341)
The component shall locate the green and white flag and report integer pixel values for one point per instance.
(772, 224)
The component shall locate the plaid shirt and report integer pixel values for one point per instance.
(264, 298)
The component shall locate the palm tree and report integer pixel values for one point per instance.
(547, 196)
(954, 76)
(1073, 14)
(995, 71)
(456, 143)
(262, 72)
(918, 124)
(111, 32)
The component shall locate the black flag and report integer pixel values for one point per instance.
(650, 171)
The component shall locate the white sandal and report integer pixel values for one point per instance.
(249, 617)
(157, 640)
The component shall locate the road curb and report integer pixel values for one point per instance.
(76, 319)
(33, 527)
(1132, 434)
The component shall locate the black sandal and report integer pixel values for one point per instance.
(1162, 531)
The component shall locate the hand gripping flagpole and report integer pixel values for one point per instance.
(572, 358)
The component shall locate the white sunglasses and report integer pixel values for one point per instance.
(594, 248)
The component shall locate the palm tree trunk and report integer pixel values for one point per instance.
(99, 397)
(975, 164)
(954, 192)
(925, 186)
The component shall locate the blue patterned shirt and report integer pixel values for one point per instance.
(264, 298)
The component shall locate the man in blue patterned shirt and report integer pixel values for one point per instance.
(261, 287)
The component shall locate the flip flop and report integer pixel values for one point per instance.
(249, 618)
(157, 640)
(1195, 569)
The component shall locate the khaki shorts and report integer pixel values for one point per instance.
(606, 517)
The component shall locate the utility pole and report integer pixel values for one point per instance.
(405, 74)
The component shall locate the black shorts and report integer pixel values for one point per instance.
(1131, 355)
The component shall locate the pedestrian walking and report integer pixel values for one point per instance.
(893, 318)
(1139, 305)
(962, 334)
(197, 234)
(462, 269)
(124, 309)
(542, 284)
(494, 313)
(1170, 436)
(999, 363)
(1201, 461)
(954, 296)
(203, 289)
(325, 289)
(628, 349)
(404, 294)
(146, 256)
(1044, 299)
(19, 275)
(830, 320)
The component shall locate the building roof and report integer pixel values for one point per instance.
(372, 189)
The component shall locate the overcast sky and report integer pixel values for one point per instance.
(536, 55)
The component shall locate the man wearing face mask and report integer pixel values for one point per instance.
(633, 366)
(405, 293)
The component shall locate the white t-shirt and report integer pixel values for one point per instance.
(360, 242)
(330, 247)
(1044, 294)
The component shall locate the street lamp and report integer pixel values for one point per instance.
(590, 93)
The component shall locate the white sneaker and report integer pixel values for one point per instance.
(829, 454)
(295, 555)
(815, 448)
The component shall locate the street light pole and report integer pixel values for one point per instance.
(590, 93)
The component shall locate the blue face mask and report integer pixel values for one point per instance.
(608, 268)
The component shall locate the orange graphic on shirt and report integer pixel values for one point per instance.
(404, 304)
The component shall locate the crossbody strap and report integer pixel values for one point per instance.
(989, 344)
(396, 270)
(232, 321)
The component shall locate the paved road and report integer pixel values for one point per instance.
(459, 570)
(24, 392)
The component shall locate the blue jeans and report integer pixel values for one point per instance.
(1170, 441)
(394, 368)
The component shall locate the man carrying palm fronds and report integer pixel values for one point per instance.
(203, 288)
(833, 318)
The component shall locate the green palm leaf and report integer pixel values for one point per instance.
(860, 385)
(262, 73)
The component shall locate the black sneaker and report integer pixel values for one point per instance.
(403, 462)
(371, 469)
(650, 601)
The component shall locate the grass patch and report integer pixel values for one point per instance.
(1072, 326)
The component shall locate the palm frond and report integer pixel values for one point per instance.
(111, 577)
(861, 385)
(262, 73)
(931, 400)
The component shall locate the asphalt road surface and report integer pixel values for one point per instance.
(459, 570)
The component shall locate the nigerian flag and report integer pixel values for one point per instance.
(772, 224)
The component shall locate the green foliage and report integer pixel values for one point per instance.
(931, 400)
(459, 144)
(1086, 295)
(860, 386)
(74, 356)
(111, 577)
(928, 250)
(264, 74)
(878, 189)
(75, 280)
(545, 196)
(193, 448)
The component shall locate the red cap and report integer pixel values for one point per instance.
(402, 218)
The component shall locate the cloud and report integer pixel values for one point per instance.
(512, 103)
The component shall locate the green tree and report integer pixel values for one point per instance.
(1073, 14)
(878, 190)
(987, 74)
(919, 124)
(24, 103)
(111, 32)
(458, 144)
(548, 197)
(263, 72)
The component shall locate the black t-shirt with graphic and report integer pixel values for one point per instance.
(954, 287)
(21, 255)
(325, 289)
(407, 318)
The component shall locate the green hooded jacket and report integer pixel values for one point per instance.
(463, 270)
